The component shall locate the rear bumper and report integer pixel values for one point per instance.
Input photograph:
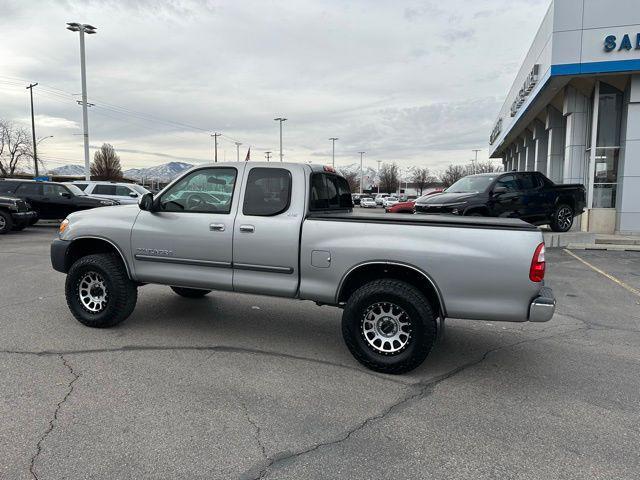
(59, 254)
(543, 306)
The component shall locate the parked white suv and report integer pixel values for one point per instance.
(380, 197)
(389, 201)
(125, 193)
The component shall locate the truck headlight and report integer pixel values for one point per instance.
(63, 226)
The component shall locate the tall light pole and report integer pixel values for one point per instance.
(379, 161)
(475, 164)
(267, 155)
(333, 151)
(238, 151)
(89, 30)
(280, 119)
(215, 148)
(361, 179)
(33, 130)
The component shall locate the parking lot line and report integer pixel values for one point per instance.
(602, 272)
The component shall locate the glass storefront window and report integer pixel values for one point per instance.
(605, 174)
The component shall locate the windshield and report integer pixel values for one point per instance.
(76, 191)
(139, 188)
(471, 184)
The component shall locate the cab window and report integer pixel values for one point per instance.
(123, 191)
(207, 190)
(52, 190)
(268, 192)
(104, 190)
(329, 192)
(29, 188)
(509, 182)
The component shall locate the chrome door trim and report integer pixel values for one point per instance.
(182, 261)
(263, 268)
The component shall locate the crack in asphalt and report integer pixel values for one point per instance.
(257, 435)
(54, 418)
(204, 348)
(415, 391)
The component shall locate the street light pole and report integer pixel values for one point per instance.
(361, 179)
(33, 129)
(379, 161)
(268, 155)
(475, 164)
(89, 30)
(280, 119)
(333, 151)
(238, 151)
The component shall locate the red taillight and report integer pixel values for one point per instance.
(536, 272)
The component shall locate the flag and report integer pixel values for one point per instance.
(247, 158)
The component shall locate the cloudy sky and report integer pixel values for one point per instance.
(415, 82)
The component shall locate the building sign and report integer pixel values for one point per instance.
(497, 128)
(611, 42)
(524, 92)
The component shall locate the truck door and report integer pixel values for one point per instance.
(532, 196)
(188, 240)
(508, 203)
(267, 231)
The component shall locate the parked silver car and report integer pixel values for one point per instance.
(288, 230)
(125, 193)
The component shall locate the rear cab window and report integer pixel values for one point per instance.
(329, 192)
(268, 192)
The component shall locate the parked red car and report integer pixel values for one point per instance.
(409, 205)
(401, 207)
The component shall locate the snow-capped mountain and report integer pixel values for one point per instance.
(165, 172)
(70, 170)
(369, 176)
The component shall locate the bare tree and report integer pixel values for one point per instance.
(483, 167)
(389, 177)
(106, 164)
(422, 178)
(452, 174)
(15, 147)
(352, 179)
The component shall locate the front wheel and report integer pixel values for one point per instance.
(99, 292)
(190, 292)
(562, 218)
(6, 222)
(389, 326)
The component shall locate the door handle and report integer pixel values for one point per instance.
(247, 228)
(216, 227)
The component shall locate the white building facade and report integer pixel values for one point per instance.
(573, 112)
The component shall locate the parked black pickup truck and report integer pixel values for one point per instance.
(51, 200)
(529, 196)
(15, 214)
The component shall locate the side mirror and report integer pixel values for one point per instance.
(499, 190)
(146, 202)
(65, 194)
(133, 195)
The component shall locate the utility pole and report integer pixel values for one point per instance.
(280, 119)
(268, 155)
(215, 148)
(361, 179)
(33, 129)
(379, 161)
(333, 151)
(89, 30)
(475, 163)
(238, 151)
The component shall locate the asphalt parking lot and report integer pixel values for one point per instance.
(237, 386)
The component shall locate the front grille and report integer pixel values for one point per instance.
(432, 209)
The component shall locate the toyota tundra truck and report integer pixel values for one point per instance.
(288, 230)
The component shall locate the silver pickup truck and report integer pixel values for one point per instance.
(289, 230)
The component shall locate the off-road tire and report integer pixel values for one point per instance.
(190, 292)
(422, 320)
(559, 220)
(6, 222)
(122, 293)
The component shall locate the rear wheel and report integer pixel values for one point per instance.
(389, 326)
(190, 292)
(99, 292)
(6, 222)
(562, 218)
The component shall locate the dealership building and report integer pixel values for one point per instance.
(573, 112)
